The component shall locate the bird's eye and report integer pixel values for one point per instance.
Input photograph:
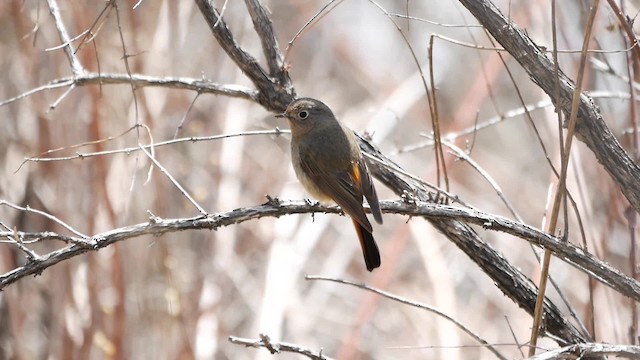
(303, 114)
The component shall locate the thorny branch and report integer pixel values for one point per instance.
(276, 208)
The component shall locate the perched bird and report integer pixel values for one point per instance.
(330, 166)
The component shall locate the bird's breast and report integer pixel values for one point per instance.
(307, 182)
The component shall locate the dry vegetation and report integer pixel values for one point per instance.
(163, 285)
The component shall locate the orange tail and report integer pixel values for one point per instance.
(369, 247)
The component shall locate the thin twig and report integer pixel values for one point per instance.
(494, 48)
(129, 150)
(509, 114)
(265, 342)
(173, 180)
(61, 97)
(459, 153)
(202, 86)
(97, 24)
(441, 165)
(46, 215)
(416, 304)
(76, 65)
(70, 41)
(591, 128)
(513, 334)
(408, 17)
(184, 117)
(34, 237)
(312, 20)
(561, 186)
(31, 255)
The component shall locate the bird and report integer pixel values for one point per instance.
(329, 164)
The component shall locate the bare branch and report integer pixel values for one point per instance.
(563, 250)
(200, 85)
(61, 97)
(264, 28)
(466, 158)
(417, 305)
(129, 150)
(326, 9)
(272, 94)
(184, 192)
(590, 128)
(581, 351)
(273, 90)
(436, 213)
(58, 84)
(31, 255)
(511, 281)
(33, 237)
(46, 215)
(276, 347)
(76, 66)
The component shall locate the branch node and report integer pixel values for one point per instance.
(408, 198)
(153, 219)
(266, 341)
(272, 201)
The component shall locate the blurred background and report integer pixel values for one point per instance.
(181, 295)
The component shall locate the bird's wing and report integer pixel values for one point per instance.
(369, 191)
(344, 187)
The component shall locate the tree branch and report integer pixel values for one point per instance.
(202, 86)
(444, 216)
(590, 127)
(76, 65)
(277, 347)
(511, 281)
(273, 94)
(418, 305)
(264, 28)
(581, 351)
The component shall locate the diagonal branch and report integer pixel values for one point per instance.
(590, 127)
(272, 94)
(511, 281)
(76, 66)
(264, 28)
(415, 304)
